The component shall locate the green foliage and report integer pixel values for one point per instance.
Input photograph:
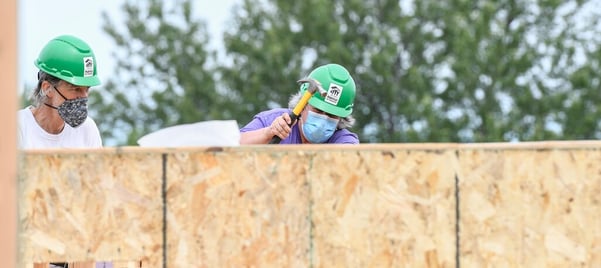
(427, 71)
(162, 76)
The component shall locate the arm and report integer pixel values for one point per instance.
(259, 136)
(278, 127)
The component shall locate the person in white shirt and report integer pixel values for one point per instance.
(58, 115)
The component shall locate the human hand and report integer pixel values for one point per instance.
(281, 126)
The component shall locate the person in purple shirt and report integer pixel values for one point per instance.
(325, 119)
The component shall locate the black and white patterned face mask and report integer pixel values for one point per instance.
(73, 111)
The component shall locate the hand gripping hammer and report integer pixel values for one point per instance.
(314, 86)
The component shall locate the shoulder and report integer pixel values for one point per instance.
(25, 113)
(91, 133)
(344, 136)
(87, 129)
(25, 117)
(263, 119)
(266, 117)
(273, 113)
(90, 123)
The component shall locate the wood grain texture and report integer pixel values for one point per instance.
(238, 209)
(90, 206)
(531, 208)
(392, 205)
(387, 208)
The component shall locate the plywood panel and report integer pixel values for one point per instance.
(384, 208)
(99, 205)
(238, 209)
(531, 208)
(395, 205)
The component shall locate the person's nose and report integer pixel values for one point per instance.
(81, 94)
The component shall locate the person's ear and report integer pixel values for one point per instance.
(46, 87)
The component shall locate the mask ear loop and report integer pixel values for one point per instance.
(45, 92)
(59, 93)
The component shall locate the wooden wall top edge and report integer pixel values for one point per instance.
(539, 145)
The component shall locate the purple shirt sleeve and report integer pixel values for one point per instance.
(344, 136)
(264, 119)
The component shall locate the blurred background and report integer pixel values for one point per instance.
(426, 71)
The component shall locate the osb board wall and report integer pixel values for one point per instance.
(325, 208)
(238, 209)
(394, 205)
(383, 208)
(90, 206)
(531, 208)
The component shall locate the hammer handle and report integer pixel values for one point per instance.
(295, 113)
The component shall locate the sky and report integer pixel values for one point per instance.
(40, 21)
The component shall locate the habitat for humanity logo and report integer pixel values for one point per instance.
(88, 66)
(334, 93)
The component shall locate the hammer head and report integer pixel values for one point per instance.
(314, 86)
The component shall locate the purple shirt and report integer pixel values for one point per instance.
(265, 118)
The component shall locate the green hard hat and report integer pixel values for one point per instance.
(70, 59)
(340, 87)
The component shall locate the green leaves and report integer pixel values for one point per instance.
(427, 71)
(162, 76)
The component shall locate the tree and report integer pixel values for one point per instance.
(162, 77)
(427, 71)
(458, 71)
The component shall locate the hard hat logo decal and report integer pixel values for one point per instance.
(334, 93)
(88, 66)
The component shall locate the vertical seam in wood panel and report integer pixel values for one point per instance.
(164, 197)
(457, 220)
(310, 214)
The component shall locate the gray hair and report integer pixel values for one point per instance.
(345, 122)
(38, 97)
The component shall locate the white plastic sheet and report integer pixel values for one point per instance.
(205, 133)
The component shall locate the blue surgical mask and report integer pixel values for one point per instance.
(318, 128)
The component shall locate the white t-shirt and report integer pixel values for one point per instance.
(32, 136)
